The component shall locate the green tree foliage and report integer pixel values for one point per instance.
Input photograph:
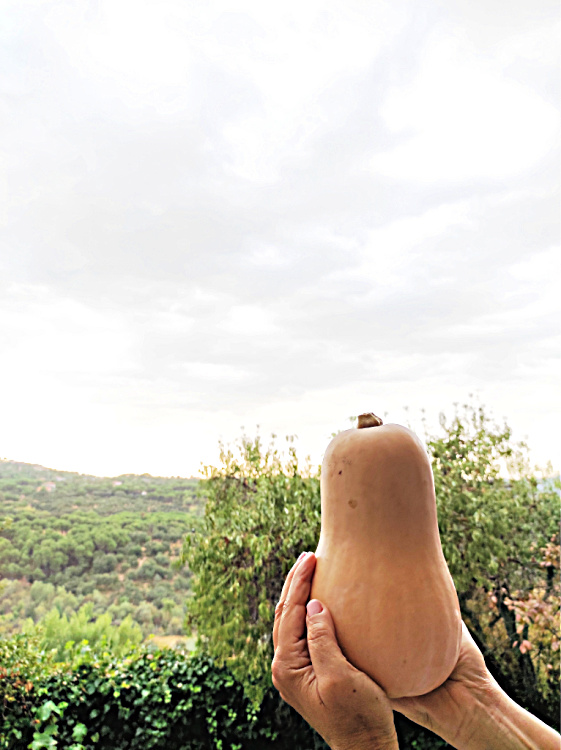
(91, 539)
(496, 532)
(261, 513)
(25, 487)
(262, 510)
(81, 632)
(487, 522)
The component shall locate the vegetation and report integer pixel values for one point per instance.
(148, 700)
(70, 540)
(151, 699)
(69, 638)
(500, 538)
(261, 512)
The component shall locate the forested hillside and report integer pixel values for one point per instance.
(108, 543)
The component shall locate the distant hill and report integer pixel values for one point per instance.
(61, 491)
(112, 541)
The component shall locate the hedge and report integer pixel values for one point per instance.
(151, 699)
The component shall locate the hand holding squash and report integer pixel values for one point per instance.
(448, 710)
(348, 709)
(471, 712)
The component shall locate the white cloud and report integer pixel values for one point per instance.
(394, 255)
(213, 371)
(249, 320)
(539, 269)
(42, 332)
(463, 118)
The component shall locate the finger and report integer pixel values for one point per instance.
(325, 654)
(280, 606)
(292, 618)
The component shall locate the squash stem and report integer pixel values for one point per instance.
(369, 420)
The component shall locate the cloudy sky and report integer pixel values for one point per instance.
(221, 214)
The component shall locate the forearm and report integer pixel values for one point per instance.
(498, 723)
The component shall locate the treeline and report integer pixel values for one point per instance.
(59, 492)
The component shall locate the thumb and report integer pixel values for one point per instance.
(325, 654)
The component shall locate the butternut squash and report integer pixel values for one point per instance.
(380, 568)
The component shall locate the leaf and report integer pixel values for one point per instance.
(47, 709)
(79, 732)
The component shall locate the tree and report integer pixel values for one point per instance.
(261, 512)
(491, 524)
(73, 636)
(4, 523)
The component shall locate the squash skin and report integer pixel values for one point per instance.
(380, 569)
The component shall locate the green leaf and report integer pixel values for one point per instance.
(79, 732)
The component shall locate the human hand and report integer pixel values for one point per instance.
(471, 712)
(348, 709)
(443, 710)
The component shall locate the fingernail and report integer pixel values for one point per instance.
(314, 607)
(303, 554)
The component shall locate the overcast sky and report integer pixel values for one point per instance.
(219, 215)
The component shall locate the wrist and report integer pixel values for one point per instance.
(368, 742)
(483, 724)
(369, 745)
